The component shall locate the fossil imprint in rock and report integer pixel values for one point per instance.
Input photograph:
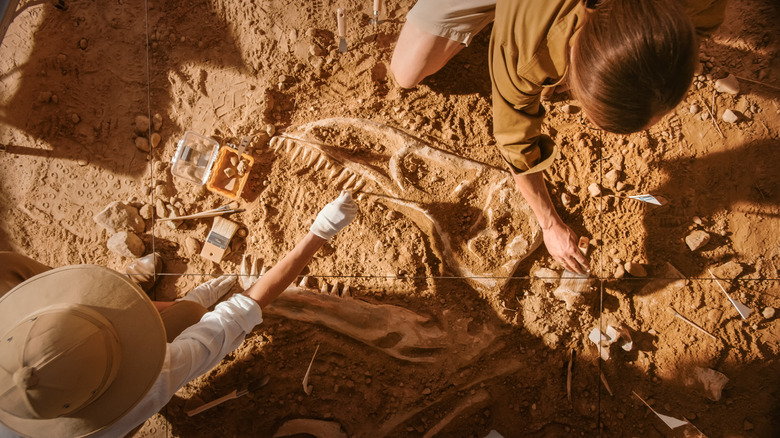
(478, 223)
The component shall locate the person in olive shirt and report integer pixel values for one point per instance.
(628, 62)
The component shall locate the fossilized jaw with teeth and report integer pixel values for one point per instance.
(476, 222)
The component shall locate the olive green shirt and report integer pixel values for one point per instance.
(529, 49)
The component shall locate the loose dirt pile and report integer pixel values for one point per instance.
(92, 114)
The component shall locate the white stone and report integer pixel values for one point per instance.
(697, 239)
(729, 116)
(635, 269)
(694, 109)
(729, 85)
(769, 313)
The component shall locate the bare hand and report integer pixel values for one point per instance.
(561, 243)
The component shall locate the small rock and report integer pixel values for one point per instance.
(729, 85)
(75, 118)
(157, 121)
(44, 96)
(82, 162)
(159, 208)
(192, 246)
(697, 220)
(705, 115)
(747, 425)
(729, 116)
(426, 391)
(619, 186)
(567, 109)
(768, 313)
(126, 244)
(635, 269)
(155, 140)
(141, 124)
(594, 190)
(620, 271)
(146, 211)
(270, 130)
(697, 239)
(694, 109)
(118, 216)
(547, 275)
(612, 177)
(142, 144)
(83, 43)
(731, 269)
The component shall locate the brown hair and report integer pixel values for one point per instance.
(633, 60)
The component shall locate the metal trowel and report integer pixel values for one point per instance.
(341, 19)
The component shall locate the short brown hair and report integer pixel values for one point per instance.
(633, 60)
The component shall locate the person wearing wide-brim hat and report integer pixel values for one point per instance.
(83, 349)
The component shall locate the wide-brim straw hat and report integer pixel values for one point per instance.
(121, 325)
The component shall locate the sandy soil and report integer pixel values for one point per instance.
(413, 348)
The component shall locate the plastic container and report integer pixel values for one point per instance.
(230, 173)
(194, 157)
(201, 160)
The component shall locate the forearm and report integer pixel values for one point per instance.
(276, 280)
(534, 190)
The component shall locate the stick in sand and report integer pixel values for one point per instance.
(693, 324)
(712, 116)
(757, 82)
(743, 310)
(306, 387)
(201, 215)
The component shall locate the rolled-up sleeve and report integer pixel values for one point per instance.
(529, 50)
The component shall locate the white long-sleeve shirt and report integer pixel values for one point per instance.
(195, 351)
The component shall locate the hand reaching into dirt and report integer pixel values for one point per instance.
(335, 216)
(208, 293)
(561, 243)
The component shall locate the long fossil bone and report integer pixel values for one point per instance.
(486, 252)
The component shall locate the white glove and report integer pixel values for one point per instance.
(335, 216)
(208, 293)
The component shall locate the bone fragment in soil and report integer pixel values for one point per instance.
(397, 331)
(482, 251)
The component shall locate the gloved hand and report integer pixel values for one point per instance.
(335, 216)
(208, 293)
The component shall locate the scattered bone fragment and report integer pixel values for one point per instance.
(231, 184)
(711, 382)
(230, 172)
(157, 122)
(118, 216)
(635, 269)
(233, 162)
(192, 246)
(141, 125)
(306, 387)
(603, 341)
(697, 239)
(729, 85)
(142, 144)
(729, 116)
(155, 140)
(126, 244)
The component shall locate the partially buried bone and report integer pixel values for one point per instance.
(500, 229)
(395, 330)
